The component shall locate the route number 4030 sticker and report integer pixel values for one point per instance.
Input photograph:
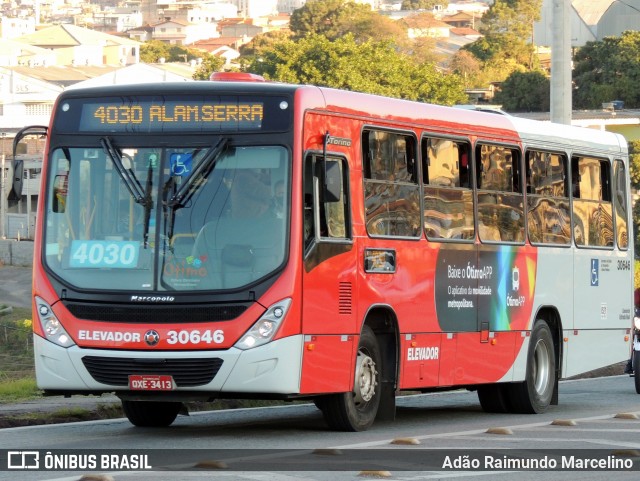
(95, 253)
(195, 337)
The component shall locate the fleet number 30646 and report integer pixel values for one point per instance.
(195, 337)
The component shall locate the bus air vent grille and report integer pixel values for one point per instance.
(115, 371)
(149, 314)
(344, 298)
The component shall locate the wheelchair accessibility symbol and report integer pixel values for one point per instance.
(180, 164)
(595, 271)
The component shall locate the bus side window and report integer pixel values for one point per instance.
(548, 213)
(622, 229)
(392, 193)
(331, 221)
(592, 204)
(500, 197)
(448, 198)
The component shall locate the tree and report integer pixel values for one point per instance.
(525, 92)
(210, 63)
(634, 164)
(370, 66)
(336, 18)
(154, 50)
(467, 66)
(608, 70)
(507, 28)
(514, 18)
(423, 4)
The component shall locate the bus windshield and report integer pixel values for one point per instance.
(166, 218)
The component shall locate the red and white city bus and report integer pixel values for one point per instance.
(258, 240)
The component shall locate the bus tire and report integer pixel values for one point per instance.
(356, 410)
(534, 394)
(636, 370)
(494, 398)
(151, 414)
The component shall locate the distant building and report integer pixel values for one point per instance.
(256, 8)
(590, 20)
(80, 46)
(14, 27)
(288, 6)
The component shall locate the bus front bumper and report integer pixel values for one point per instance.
(273, 368)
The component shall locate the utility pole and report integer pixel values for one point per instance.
(561, 103)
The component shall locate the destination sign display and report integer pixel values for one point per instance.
(160, 114)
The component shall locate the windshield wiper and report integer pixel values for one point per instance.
(127, 174)
(202, 171)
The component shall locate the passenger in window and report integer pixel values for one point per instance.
(250, 197)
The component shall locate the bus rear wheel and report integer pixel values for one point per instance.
(356, 410)
(534, 395)
(151, 414)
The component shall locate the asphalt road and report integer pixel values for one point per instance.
(15, 286)
(598, 414)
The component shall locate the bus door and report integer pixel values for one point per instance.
(448, 206)
(500, 284)
(329, 311)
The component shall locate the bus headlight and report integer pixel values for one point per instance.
(51, 326)
(266, 327)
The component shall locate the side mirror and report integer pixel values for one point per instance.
(16, 179)
(18, 164)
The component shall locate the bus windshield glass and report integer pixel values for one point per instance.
(166, 218)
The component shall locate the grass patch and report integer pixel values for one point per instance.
(17, 373)
(13, 390)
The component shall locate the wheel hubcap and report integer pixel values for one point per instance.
(365, 381)
(541, 367)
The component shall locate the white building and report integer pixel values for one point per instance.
(16, 27)
(288, 6)
(256, 8)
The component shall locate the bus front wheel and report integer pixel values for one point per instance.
(356, 410)
(150, 413)
(534, 394)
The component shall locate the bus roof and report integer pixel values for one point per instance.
(431, 117)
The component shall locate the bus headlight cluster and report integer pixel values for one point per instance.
(51, 326)
(266, 327)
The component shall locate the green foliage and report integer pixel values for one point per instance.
(372, 67)
(261, 42)
(335, 18)
(634, 164)
(16, 355)
(525, 92)
(608, 70)
(209, 64)
(13, 390)
(506, 46)
(423, 4)
(153, 50)
(636, 274)
(514, 18)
